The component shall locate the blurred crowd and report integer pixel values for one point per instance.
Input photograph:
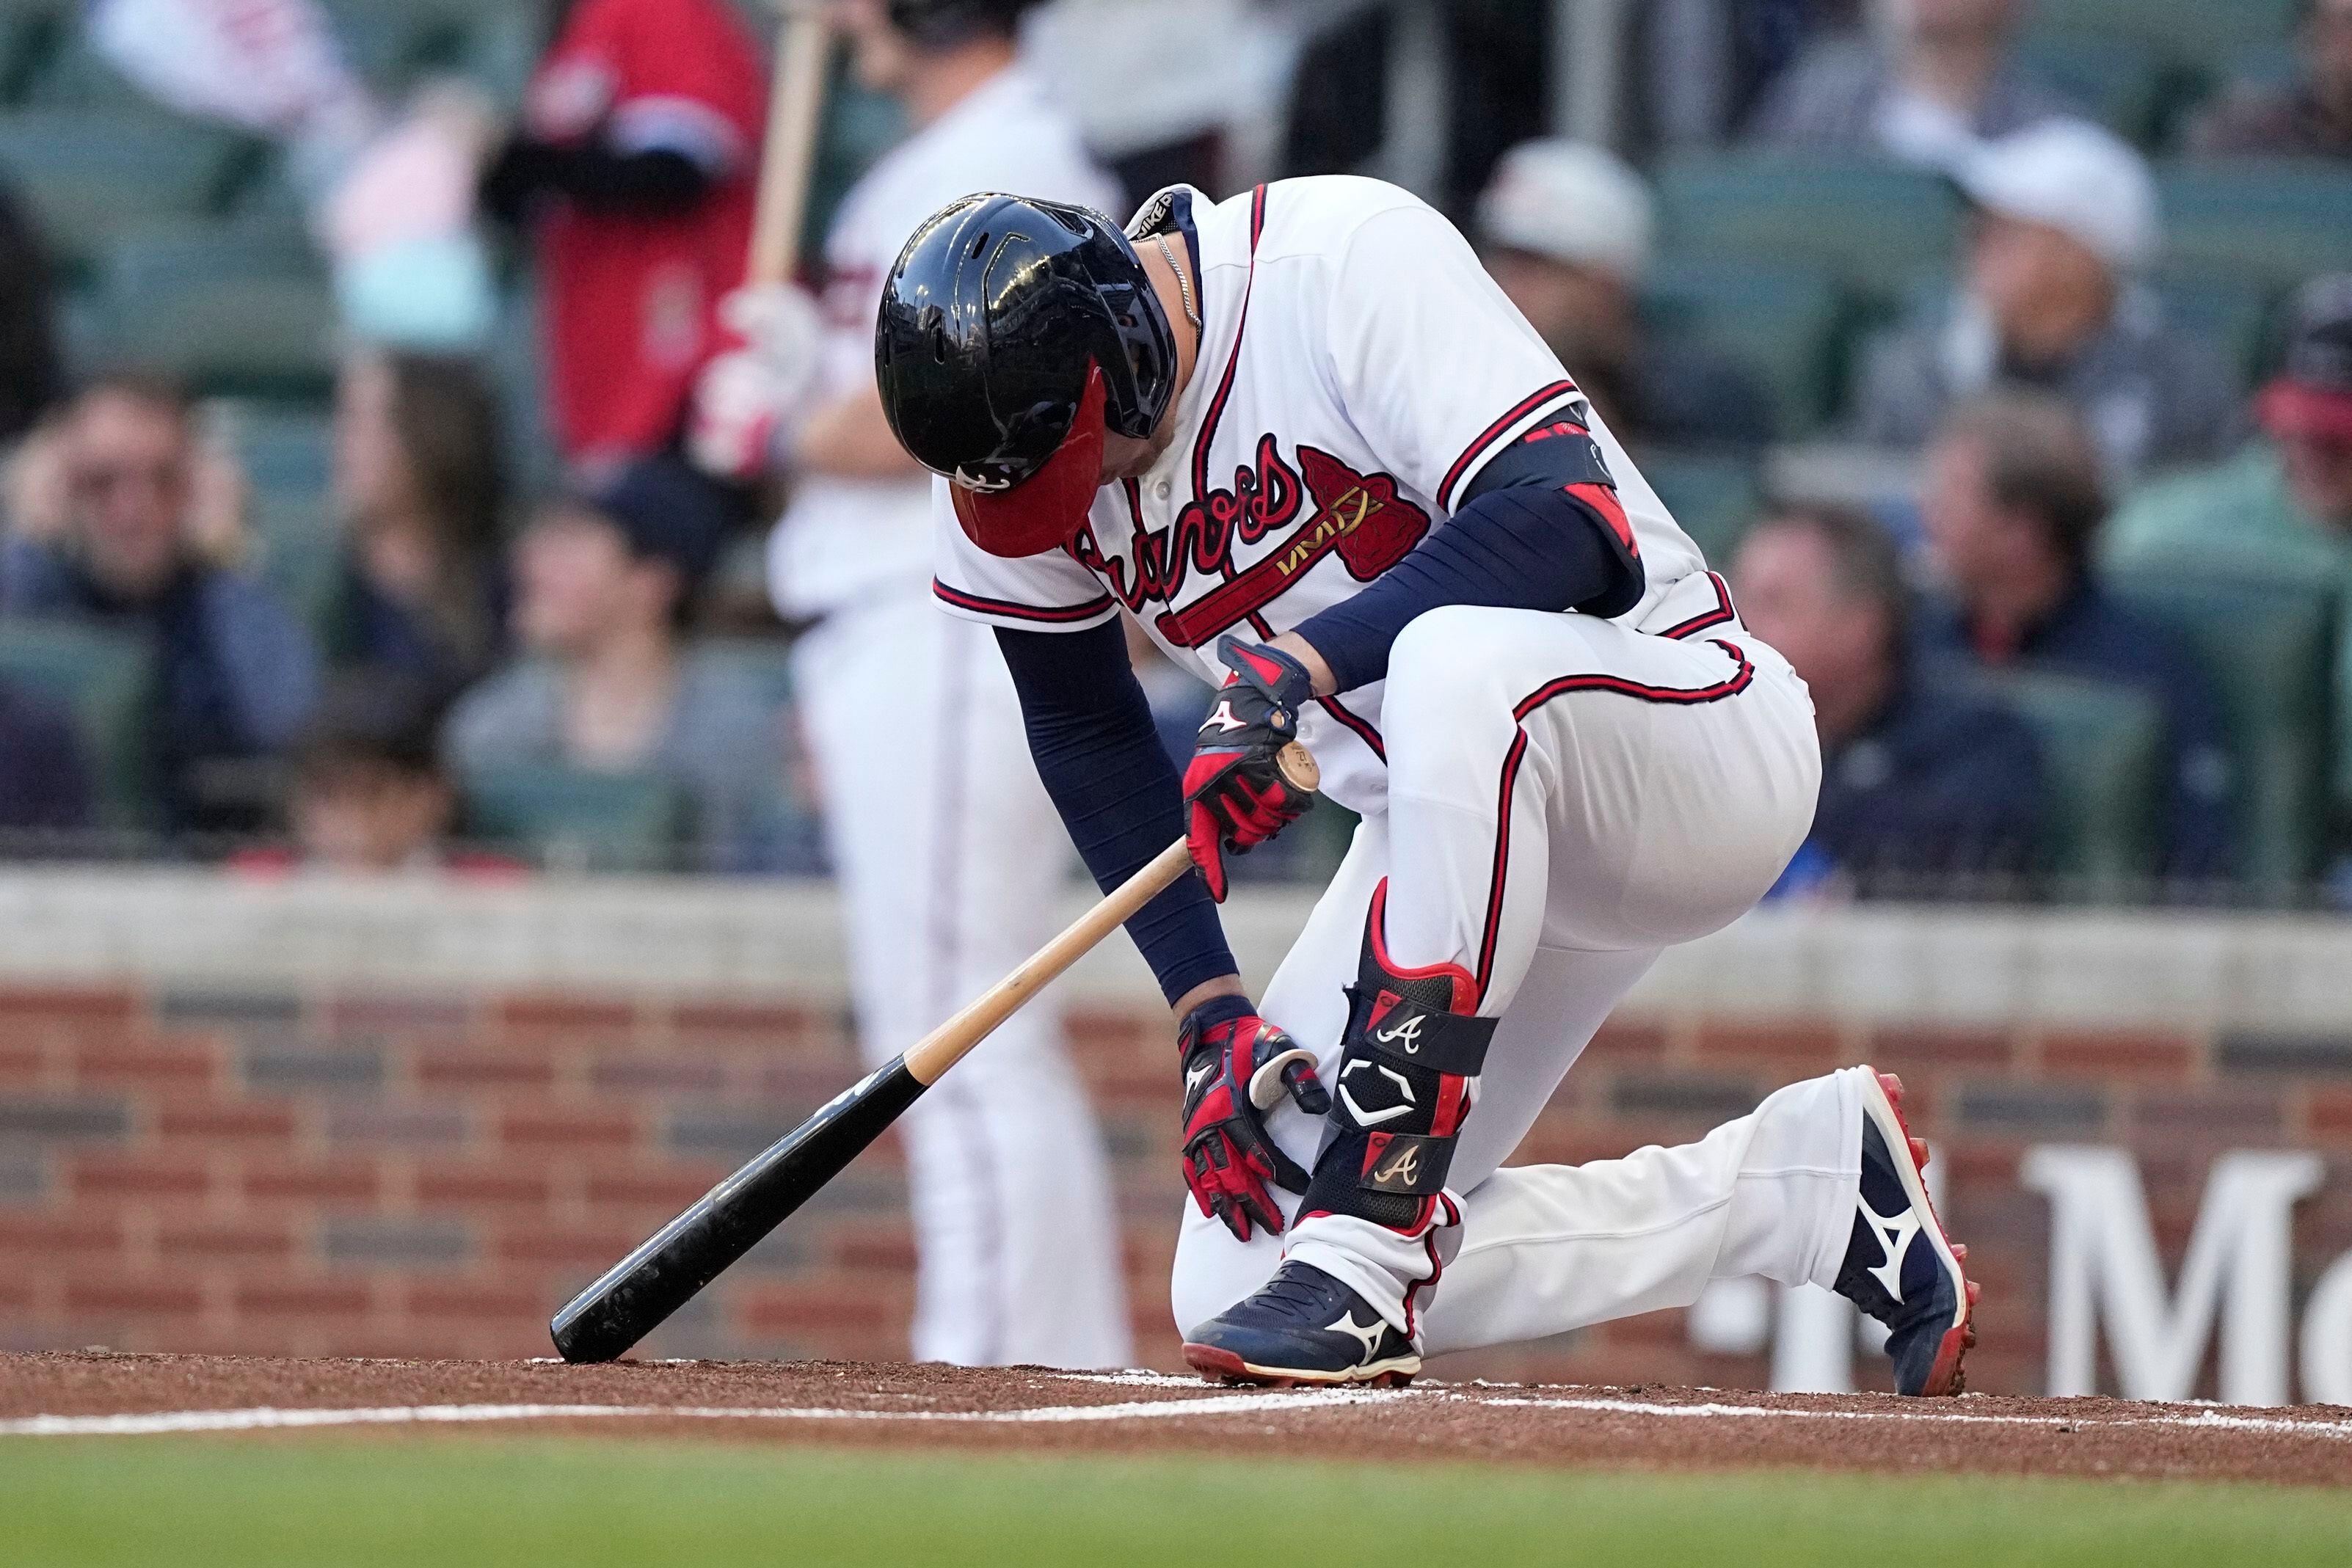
(1970, 336)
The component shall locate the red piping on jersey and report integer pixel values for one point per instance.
(1357, 726)
(1723, 615)
(1233, 362)
(1739, 681)
(1060, 615)
(1494, 432)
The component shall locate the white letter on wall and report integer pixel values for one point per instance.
(2103, 1264)
(2328, 1337)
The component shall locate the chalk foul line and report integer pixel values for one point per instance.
(271, 1418)
(268, 1418)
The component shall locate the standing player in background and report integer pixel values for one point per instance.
(1306, 441)
(635, 169)
(938, 828)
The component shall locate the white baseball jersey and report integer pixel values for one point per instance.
(1357, 369)
(847, 540)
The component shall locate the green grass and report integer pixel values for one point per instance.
(254, 1503)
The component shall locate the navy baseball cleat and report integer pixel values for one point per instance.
(1900, 1267)
(1302, 1326)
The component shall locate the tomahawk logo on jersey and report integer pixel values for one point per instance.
(1314, 445)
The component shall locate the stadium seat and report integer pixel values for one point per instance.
(2120, 81)
(1870, 224)
(2269, 643)
(2272, 225)
(1713, 496)
(766, 661)
(30, 31)
(92, 178)
(1779, 320)
(2186, 33)
(105, 681)
(570, 819)
(283, 451)
(2231, 314)
(229, 309)
(2102, 756)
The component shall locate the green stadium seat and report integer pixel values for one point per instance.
(227, 309)
(1870, 224)
(2120, 81)
(570, 819)
(766, 661)
(2102, 756)
(2269, 642)
(2234, 315)
(1713, 496)
(93, 178)
(30, 31)
(284, 452)
(2270, 224)
(1778, 319)
(106, 680)
(2186, 33)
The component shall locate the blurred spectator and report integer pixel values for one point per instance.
(420, 486)
(30, 367)
(2013, 504)
(1924, 792)
(2065, 221)
(1568, 232)
(126, 549)
(44, 783)
(2310, 117)
(635, 170)
(2287, 498)
(602, 584)
(1927, 82)
(369, 793)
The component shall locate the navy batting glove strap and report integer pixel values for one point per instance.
(1236, 1067)
(1235, 795)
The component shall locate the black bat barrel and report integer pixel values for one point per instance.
(642, 1289)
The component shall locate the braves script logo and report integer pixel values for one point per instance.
(1361, 516)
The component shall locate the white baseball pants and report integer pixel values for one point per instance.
(1566, 797)
(936, 821)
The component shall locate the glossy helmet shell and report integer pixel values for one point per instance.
(1013, 334)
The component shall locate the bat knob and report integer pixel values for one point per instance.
(1298, 769)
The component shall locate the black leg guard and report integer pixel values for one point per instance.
(1408, 1069)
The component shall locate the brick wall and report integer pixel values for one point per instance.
(417, 1170)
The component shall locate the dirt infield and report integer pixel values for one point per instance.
(837, 1402)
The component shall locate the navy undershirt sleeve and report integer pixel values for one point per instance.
(1091, 733)
(1524, 540)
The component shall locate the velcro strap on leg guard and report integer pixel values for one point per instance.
(1412, 1036)
(1405, 1164)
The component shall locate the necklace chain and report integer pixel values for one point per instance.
(1183, 283)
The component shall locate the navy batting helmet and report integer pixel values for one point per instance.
(1013, 334)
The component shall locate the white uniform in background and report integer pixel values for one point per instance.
(952, 862)
(1550, 799)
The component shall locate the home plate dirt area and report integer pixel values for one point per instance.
(99, 1394)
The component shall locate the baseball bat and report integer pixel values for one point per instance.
(677, 1261)
(795, 108)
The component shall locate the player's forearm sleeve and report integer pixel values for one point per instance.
(1091, 733)
(1516, 548)
(595, 176)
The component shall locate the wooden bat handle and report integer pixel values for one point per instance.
(795, 110)
(946, 1045)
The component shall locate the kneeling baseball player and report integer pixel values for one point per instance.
(1311, 447)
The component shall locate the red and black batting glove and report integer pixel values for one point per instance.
(1234, 790)
(1237, 1067)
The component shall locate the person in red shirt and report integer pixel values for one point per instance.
(635, 168)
